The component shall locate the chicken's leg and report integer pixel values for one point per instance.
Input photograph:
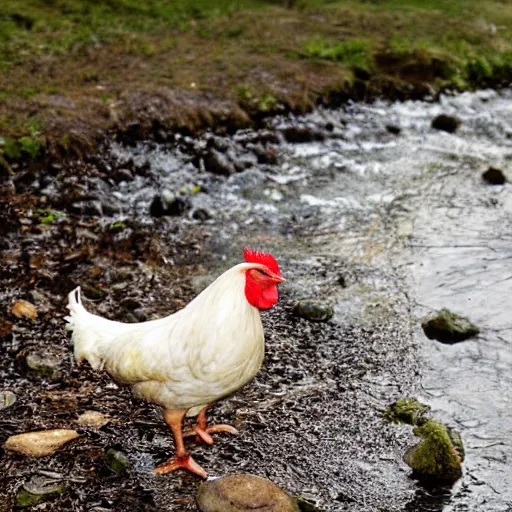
(182, 459)
(202, 431)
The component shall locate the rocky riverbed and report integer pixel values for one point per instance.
(370, 211)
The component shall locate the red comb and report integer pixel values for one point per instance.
(262, 257)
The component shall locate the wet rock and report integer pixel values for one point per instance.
(445, 123)
(265, 155)
(494, 176)
(40, 444)
(122, 175)
(298, 134)
(407, 410)
(218, 163)
(201, 214)
(244, 493)
(37, 489)
(116, 460)
(168, 203)
(93, 419)
(394, 129)
(448, 327)
(313, 311)
(7, 398)
(43, 364)
(436, 457)
(24, 309)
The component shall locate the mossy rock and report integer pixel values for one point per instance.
(116, 460)
(448, 327)
(436, 457)
(313, 311)
(407, 410)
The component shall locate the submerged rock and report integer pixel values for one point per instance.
(394, 129)
(446, 123)
(116, 460)
(24, 309)
(407, 410)
(218, 163)
(40, 444)
(494, 176)
(7, 398)
(244, 493)
(448, 327)
(436, 457)
(313, 311)
(300, 134)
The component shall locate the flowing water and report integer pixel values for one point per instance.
(414, 206)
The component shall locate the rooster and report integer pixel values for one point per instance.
(190, 359)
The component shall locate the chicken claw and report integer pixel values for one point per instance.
(202, 431)
(182, 462)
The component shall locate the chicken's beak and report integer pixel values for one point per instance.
(277, 279)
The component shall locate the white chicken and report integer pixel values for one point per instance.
(192, 358)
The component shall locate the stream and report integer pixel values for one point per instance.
(367, 208)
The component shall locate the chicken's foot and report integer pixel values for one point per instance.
(202, 431)
(182, 459)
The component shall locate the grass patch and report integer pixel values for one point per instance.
(77, 64)
(354, 53)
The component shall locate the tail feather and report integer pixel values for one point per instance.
(86, 339)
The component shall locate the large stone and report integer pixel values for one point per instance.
(244, 493)
(438, 456)
(40, 444)
(448, 327)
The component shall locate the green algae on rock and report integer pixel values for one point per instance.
(313, 311)
(407, 410)
(436, 457)
(242, 493)
(448, 327)
(116, 460)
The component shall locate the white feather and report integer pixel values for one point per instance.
(189, 359)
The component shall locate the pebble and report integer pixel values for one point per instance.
(116, 460)
(24, 309)
(40, 444)
(313, 311)
(7, 398)
(92, 419)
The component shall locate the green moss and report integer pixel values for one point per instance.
(27, 499)
(407, 410)
(355, 53)
(253, 101)
(435, 456)
(48, 216)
